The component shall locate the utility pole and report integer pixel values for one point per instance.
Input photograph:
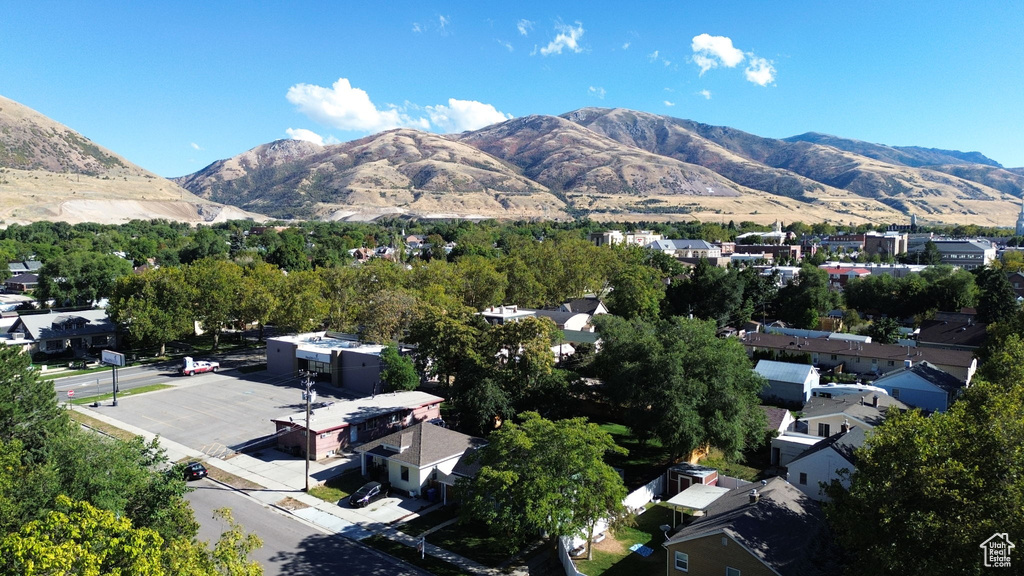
(310, 378)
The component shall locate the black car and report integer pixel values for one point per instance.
(368, 493)
(194, 471)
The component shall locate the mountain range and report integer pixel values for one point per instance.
(611, 164)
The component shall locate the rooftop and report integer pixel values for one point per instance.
(855, 405)
(784, 371)
(422, 444)
(792, 344)
(342, 413)
(782, 528)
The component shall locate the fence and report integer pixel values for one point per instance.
(564, 547)
(644, 494)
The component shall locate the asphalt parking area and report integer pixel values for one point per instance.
(215, 413)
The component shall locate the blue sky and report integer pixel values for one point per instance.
(176, 86)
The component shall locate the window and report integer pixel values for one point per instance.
(892, 362)
(731, 571)
(682, 561)
(803, 478)
(896, 393)
(99, 340)
(824, 430)
(405, 473)
(835, 357)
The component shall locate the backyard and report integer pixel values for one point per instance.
(614, 557)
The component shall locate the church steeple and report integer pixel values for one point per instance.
(1020, 219)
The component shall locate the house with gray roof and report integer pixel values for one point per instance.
(773, 529)
(56, 332)
(33, 266)
(787, 382)
(922, 385)
(416, 458)
(826, 461)
(21, 283)
(823, 416)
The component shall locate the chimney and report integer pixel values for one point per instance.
(874, 401)
(754, 496)
(908, 363)
(845, 427)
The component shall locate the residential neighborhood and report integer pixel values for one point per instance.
(671, 409)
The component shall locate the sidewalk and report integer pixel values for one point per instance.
(283, 479)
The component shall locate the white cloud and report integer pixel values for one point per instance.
(706, 94)
(714, 51)
(306, 135)
(462, 115)
(416, 27)
(524, 26)
(195, 146)
(442, 22)
(568, 37)
(348, 108)
(625, 46)
(597, 91)
(669, 104)
(507, 45)
(760, 71)
(668, 62)
(653, 56)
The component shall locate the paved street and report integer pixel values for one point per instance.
(290, 547)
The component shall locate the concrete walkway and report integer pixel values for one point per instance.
(281, 479)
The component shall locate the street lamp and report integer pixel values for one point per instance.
(310, 378)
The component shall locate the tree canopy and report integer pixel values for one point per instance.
(544, 476)
(675, 381)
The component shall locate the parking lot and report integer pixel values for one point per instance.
(215, 413)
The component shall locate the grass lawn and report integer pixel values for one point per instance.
(612, 557)
(80, 400)
(421, 524)
(644, 461)
(472, 541)
(100, 426)
(410, 555)
(715, 459)
(339, 487)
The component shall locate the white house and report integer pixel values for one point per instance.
(921, 385)
(417, 458)
(787, 382)
(821, 463)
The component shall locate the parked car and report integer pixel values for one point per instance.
(194, 471)
(368, 493)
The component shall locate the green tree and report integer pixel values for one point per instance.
(259, 294)
(80, 278)
(482, 285)
(884, 330)
(78, 538)
(300, 303)
(996, 299)
(544, 476)
(928, 490)
(399, 373)
(675, 381)
(153, 307)
(28, 410)
(804, 300)
(215, 287)
(637, 292)
(204, 243)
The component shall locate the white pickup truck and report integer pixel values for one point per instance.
(192, 367)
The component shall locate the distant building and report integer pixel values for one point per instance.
(776, 250)
(55, 333)
(787, 382)
(638, 238)
(693, 249)
(1020, 219)
(337, 358)
(966, 254)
